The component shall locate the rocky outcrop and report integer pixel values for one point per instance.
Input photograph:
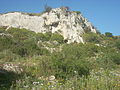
(9, 67)
(70, 24)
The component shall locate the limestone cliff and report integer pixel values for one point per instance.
(70, 24)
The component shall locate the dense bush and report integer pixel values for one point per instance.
(7, 79)
(115, 57)
(48, 36)
(57, 37)
(117, 44)
(47, 8)
(73, 58)
(6, 42)
(40, 37)
(2, 29)
(78, 12)
(29, 48)
(43, 37)
(91, 37)
(8, 56)
(21, 34)
(108, 34)
(23, 42)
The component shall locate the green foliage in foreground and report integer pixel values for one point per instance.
(97, 80)
(91, 66)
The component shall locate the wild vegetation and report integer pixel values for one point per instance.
(47, 62)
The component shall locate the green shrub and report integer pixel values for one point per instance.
(117, 44)
(6, 42)
(57, 37)
(44, 37)
(78, 12)
(73, 58)
(47, 8)
(109, 58)
(7, 78)
(91, 37)
(80, 50)
(29, 48)
(8, 56)
(47, 35)
(40, 36)
(2, 29)
(115, 57)
(66, 67)
(108, 34)
(21, 34)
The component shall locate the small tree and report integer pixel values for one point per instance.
(67, 8)
(48, 8)
(108, 34)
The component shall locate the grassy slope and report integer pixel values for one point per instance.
(91, 66)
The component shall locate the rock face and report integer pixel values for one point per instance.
(68, 23)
